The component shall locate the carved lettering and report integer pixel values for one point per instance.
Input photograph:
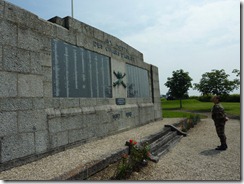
(117, 50)
(97, 45)
(128, 114)
(108, 42)
(116, 116)
(121, 48)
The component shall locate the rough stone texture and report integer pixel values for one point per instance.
(8, 83)
(8, 33)
(18, 15)
(35, 65)
(59, 139)
(55, 125)
(1, 57)
(46, 59)
(30, 86)
(47, 89)
(156, 99)
(71, 123)
(8, 123)
(17, 145)
(51, 102)
(69, 102)
(32, 41)
(145, 113)
(47, 73)
(1, 9)
(16, 60)
(41, 141)
(14, 104)
(38, 103)
(33, 122)
(86, 102)
(76, 135)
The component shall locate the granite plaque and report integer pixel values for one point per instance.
(138, 82)
(78, 72)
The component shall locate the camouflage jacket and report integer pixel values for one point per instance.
(218, 112)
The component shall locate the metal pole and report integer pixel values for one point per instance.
(72, 8)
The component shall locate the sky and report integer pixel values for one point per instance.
(194, 35)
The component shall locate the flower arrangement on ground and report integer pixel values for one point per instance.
(137, 157)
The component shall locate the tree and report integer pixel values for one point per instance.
(237, 81)
(216, 83)
(179, 84)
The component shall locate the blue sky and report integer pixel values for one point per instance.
(194, 35)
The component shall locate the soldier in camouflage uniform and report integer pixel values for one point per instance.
(219, 117)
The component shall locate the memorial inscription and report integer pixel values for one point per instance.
(79, 72)
(137, 82)
(114, 49)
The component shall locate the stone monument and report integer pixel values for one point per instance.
(63, 83)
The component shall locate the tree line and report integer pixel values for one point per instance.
(215, 82)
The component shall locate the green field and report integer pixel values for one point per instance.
(172, 109)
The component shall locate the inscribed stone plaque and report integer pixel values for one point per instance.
(79, 72)
(138, 82)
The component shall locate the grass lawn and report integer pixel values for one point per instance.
(172, 109)
(178, 114)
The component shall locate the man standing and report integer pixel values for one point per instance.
(219, 117)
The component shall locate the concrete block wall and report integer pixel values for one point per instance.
(32, 121)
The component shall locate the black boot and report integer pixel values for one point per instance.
(222, 147)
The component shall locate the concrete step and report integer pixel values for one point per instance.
(162, 141)
(152, 138)
(166, 147)
(159, 142)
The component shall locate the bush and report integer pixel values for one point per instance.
(230, 98)
(194, 97)
(205, 98)
(224, 98)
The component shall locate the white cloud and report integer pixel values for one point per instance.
(193, 35)
(195, 25)
(196, 38)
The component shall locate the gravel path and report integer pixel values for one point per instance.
(55, 165)
(194, 157)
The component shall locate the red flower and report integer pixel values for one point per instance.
(132, 142)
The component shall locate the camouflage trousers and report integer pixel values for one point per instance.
(220, 129)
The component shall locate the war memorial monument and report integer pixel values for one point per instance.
(63, 83)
